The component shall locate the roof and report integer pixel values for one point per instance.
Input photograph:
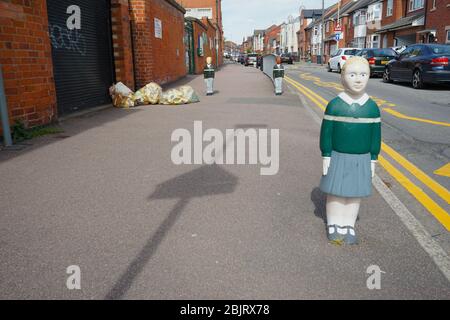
(401, 23)
(343, 11)
(311, 13)
(358, 5)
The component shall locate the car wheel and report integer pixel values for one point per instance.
(329, 68)
(387, 75)
(339, 68)
(417, 80)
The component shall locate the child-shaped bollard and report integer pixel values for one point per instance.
(350, 141)
(209, 75)
(278, 75)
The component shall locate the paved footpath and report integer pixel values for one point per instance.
(105, 196)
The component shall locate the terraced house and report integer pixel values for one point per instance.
(379, 24)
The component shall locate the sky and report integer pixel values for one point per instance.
(241, 17)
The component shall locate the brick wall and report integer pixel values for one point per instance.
(211, 35)
(122, 43)
(439, 18)
(25, 56)
(200, 62)
(159, 60)
(216, 18)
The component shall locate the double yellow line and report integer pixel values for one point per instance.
(435, 209)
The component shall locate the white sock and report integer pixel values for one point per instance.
(335, 210)
(351, 211)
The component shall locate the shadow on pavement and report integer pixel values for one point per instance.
(71, 127)
(319, 199)
(204, 181)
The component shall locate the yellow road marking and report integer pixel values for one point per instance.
(419, 174)
(444, 171)
(403, 116)
(380, 103)
(438, 212)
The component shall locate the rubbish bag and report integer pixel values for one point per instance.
(172, 96)
(150, 94)
(122, 96)
(189, 94)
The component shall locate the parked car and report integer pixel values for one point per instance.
(251, 59)
(340, 56)
(242, 58)
(287, 58)
(377, 58)
(420, 64)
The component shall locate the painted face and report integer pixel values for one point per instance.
(355, 78)
(208, 60)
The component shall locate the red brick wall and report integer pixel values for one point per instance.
(25, 55)
(398, 12)
(211, 35)
(159, 60)
(217, 18)
(439, 18)
(200, 62)
(122, 43)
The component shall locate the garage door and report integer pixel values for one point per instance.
(82, 52)
(405, 40)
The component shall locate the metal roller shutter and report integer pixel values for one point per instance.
(82, 58)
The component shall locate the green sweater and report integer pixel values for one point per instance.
(278, 71)
(208, 72)
(352, 129)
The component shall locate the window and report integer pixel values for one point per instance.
(315, 31)
(389, 8)
(374, 12)
(359, 18)
(415, 5)
(359, 42)
(351, 52)
(406, 53)
(327, 26)
(416, 52)
(373, 41)
(447, 40)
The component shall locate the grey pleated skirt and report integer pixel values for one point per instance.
(349, 176)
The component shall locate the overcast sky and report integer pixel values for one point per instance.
(241, 17)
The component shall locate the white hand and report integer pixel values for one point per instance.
(372, 167)
(326, 164)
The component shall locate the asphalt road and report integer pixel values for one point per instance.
(105, 196)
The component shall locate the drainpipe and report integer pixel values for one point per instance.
(217, 33)
(4, 113)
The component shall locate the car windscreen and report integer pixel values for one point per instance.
(384, 53)
(351, 52)
(440, 49)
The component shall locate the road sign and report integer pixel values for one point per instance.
(338, 28)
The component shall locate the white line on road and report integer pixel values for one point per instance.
(434, 250)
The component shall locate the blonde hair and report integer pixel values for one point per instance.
(355, 59)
